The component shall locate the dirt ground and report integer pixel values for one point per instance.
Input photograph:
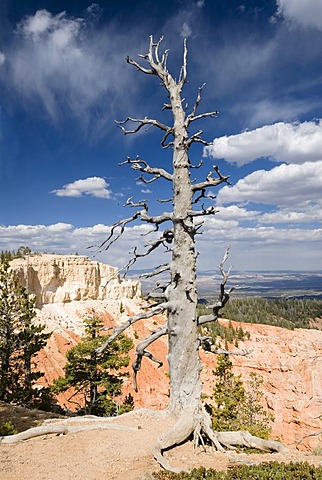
(113, 453)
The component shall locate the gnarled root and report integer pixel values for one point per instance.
(181, 430)
(245, 439)
(199, 424)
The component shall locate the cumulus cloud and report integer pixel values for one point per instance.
(234, 212)
(304, 214)
(92, 186)
(284, 185)
(306, 13)
(286, 142)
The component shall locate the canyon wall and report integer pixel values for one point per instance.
(70, 287)
(68, 278)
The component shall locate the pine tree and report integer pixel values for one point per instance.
(229, 393)
(236, 407)
(20, 340)
(96, 378)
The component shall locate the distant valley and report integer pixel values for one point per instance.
(268, 284)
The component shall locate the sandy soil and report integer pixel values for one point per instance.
(116, 454)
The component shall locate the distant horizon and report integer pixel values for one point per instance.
(140, 270)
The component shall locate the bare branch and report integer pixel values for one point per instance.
(140, 203)
(210, 181)
(163, 294)
(203, 212)
(167, 237)
(213, 114)
(224, 294)
(167, 200)
(196, 166)
(197, 139)
(160, 269)
(166, 106)
(130, 321)
(193, 113)
(155, 229)
(165, 217)
(144, 167)
(193, 117)
(113, 233)
(148, 71)
(165, 138)
(141, 352)
(141, 123)
(183, 72)
(203, 194)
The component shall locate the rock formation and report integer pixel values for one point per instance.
(70, 287)
(62, 278)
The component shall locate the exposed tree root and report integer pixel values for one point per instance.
(58, 426)
(245, 439)
(196, 424)
(59, 429)
(200, 426)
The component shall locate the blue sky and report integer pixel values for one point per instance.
(64, 80)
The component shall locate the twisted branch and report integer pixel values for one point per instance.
(224, 294)
(141, 123)
(210, 181)
(143, 166)
(130, 321)
(203, 194)
(142, 352)
(160, 269)
(204, 212)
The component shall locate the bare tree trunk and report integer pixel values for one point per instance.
(179, 298)
(184, 363)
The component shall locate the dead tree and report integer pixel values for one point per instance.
(179, 297)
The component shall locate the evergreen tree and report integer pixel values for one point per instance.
(236, 407)
(96, 378)
(252, 415)
(20, 340)
(229, 393)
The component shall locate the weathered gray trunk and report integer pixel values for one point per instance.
(184, 363)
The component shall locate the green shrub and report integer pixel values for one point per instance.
(7, 428)
(265, 471)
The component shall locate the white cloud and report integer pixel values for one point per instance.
(72, 68)
(93, 186)
(233, 212)
(302, 215)
(286, 142)
(285, 185)
(2, 58)
(307, 13)
(258, 247)
(146, 190)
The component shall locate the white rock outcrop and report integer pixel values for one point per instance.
(68, 278)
